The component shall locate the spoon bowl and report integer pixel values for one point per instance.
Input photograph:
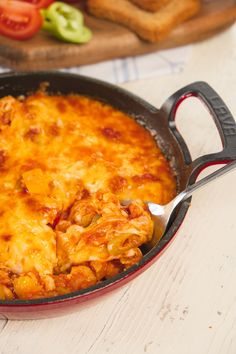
(163, 214)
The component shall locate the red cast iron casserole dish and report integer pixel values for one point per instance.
(162, 121)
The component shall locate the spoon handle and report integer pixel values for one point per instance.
(199, 184)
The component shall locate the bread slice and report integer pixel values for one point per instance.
(151, 5)
(150, 26)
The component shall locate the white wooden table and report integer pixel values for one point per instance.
(186, 302)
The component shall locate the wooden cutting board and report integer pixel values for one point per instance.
(111, 41)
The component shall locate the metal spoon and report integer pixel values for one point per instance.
(162, 214)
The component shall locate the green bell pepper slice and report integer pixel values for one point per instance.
(82, 36)
(66, 23)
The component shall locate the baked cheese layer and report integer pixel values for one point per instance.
(66, 162)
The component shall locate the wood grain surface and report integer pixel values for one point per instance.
(111, 41)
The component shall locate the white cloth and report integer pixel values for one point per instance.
(134, 68)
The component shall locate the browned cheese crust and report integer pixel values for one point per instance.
(66, 163)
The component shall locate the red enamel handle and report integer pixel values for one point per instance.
(222, 117)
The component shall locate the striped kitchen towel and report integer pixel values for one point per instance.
(118, 71)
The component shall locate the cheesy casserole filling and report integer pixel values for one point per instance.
(66, 162)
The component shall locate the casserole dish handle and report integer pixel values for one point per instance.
(223, 119)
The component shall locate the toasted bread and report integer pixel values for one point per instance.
(151, 5)
(150, 26)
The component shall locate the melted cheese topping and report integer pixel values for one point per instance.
(65, 164)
